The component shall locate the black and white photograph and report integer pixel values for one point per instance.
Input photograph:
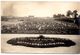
(40, 27)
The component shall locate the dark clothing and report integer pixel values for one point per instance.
(77, 21)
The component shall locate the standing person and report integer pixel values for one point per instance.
(78, 21)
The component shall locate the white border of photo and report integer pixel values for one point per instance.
(33, 0)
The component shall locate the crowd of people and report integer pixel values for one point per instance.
(40, 26)
(41, 41)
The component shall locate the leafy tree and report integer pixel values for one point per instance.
(75, 13)
(69, 13)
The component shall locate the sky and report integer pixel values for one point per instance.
(37, 8)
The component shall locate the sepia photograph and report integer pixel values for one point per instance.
(40, 27)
